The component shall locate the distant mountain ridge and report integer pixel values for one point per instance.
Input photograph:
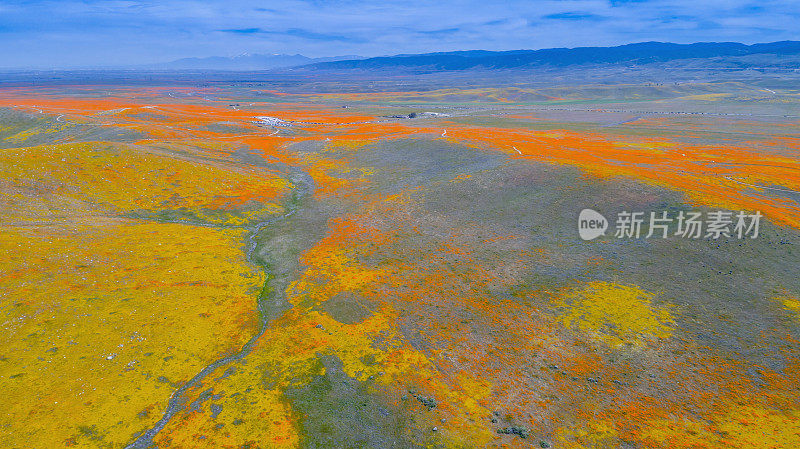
(246, 62)
(639, 53)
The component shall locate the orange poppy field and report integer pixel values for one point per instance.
(245, 266)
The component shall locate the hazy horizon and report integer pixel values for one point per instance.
(74, 34)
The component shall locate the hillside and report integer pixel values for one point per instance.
(633, 54)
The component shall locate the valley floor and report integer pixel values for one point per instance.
(236, 266)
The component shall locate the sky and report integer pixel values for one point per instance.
(69, 33)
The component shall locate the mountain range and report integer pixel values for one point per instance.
(246, 62)
(633, 54)
(785, 54)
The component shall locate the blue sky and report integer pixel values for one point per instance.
(67, 33)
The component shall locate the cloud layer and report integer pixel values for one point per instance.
(121, 32)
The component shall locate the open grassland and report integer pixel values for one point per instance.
(236, 266)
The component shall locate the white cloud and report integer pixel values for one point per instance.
(127, 31)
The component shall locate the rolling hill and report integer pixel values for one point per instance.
(632, 54)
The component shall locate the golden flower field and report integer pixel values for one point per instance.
(237, 266)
